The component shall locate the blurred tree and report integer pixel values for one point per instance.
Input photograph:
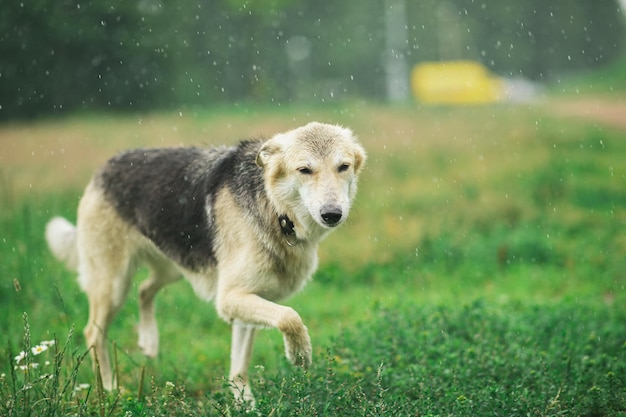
(66, 55)
(59, 56)
(541, 39)
(347, 45)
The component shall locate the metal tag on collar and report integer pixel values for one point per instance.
(287, 227)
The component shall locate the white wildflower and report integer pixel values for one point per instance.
(19, 358)
(27, 367)
(39, 349)
(81, 387)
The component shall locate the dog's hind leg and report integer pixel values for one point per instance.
(105, 250)
(162, 273)
(106, 290)
(240, 352)
(102, 310)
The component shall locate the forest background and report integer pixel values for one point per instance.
(70, 55)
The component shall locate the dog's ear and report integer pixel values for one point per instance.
(359, 157)
(268, 149)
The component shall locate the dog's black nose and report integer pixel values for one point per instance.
(331, 214)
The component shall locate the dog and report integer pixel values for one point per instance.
(242, 224)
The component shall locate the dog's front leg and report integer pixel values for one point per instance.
(252, 309)
(240, 351)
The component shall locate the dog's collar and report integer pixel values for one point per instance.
(287, 229)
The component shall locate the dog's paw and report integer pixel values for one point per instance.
(244, 399)
(298, 349)
(148, 341)
(296, 336)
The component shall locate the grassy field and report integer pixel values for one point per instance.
(482, 272)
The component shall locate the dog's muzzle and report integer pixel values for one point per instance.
(331, 214)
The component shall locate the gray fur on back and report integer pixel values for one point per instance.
(167, 194)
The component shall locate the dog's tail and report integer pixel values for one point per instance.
(61, 238)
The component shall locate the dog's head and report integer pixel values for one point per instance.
(311, 173)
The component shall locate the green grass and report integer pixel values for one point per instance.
(482, 273)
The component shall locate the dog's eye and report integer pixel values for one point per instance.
(343, 167)
(305, 171)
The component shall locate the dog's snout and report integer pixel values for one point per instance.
(331, 214)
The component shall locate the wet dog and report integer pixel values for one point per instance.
(241, 224)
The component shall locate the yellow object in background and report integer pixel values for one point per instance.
(455, 82)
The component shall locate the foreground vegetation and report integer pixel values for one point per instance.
(482, 273)
(407, 360)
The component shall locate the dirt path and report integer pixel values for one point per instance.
(607, 111)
